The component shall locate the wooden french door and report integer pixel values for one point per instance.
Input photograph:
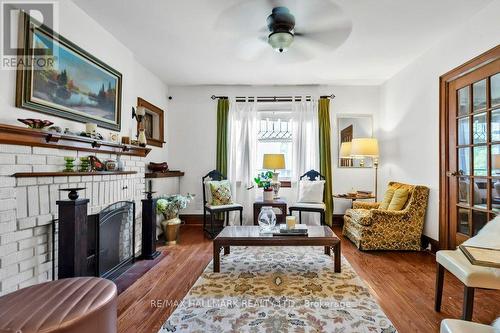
(473, 173)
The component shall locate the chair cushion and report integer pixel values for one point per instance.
(311, 191)
(462, 326)
(360, 216)
(471, 275)
(222, 207)
(309, 205)
(398, 199)
(221, 192)
(387, 198)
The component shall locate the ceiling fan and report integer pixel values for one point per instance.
(302, 29)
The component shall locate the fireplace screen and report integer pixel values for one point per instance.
(116, 238)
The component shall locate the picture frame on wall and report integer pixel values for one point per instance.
(153, 123)
(71, 83)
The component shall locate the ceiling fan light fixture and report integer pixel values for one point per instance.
(280, 41)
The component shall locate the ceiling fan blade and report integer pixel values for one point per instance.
(317, 14)
(251, 48)
(331, 38)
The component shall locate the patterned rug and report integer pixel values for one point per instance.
(278, 289)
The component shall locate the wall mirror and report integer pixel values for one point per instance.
(351, 126)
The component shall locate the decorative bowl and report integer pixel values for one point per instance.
(158, 167)
(36, 123)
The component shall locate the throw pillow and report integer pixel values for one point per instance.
(387, 199)
(399, 199)
(311, 191)
(221, 192)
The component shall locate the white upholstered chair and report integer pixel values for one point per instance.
(461, 326)
(472, 276)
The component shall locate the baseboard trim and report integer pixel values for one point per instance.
(192, 219)
(426, 240)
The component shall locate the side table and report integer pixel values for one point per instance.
(279, 207)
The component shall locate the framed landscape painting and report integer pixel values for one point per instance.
(61, 79)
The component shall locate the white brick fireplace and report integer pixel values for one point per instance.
(28, 206)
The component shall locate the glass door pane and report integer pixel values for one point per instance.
(480, 160)
(495, 90)
(479, 95)
(463, 101)
(463, 221)
(464, 131)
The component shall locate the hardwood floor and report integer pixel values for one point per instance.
(402, 283)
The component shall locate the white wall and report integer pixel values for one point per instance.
(192, 130)
(409, 120)
(78, 27)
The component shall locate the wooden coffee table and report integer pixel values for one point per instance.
(250, 236)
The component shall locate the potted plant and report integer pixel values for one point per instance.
(264, 181)
(169, 206)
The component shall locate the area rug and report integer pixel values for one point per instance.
(278, 289)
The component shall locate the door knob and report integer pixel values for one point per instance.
(455, 173)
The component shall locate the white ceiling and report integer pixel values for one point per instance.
(192, 42)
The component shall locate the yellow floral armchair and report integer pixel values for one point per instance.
(371, 228)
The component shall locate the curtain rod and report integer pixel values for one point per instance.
(272, 98)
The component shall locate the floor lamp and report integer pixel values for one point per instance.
(367, 147)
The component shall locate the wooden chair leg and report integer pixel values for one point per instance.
(468, 303)
(227, 219)
(439, 287)
(323, 222)
(204, 219)
(212, 233)
(241, 216)
(300, 217)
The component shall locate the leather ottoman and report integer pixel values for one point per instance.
(76, 305)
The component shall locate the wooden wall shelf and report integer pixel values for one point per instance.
(16, 135)
(66, 174)
(168, 174)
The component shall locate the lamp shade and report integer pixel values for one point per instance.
(364, 147)
(345, 150)
(273, 161)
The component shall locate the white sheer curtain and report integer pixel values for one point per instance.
(242, 156)
(305, 136)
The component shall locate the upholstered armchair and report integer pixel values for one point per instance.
(371, 228)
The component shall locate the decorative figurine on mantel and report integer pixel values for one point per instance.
(70, 164)
(139, 115)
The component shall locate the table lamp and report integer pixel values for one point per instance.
(366, 147)
(274, 162)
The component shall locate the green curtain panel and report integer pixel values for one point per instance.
(222, 119)
(325, 155)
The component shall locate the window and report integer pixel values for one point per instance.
(274, 136)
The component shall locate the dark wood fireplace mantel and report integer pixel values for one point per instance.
(16, 135)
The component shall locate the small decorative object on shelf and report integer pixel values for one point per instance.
(169, 207)
(139, 115)
(36, 123)
(84, 164)
(264, 181)
(55, 129)
(110, 165)
(114, 137)
(96, 164)
(91, 128)
(267, 219)
(70, 164)
(72, 192)
(119, 163)
(290, 222)
(158, 167)
(125, 140)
